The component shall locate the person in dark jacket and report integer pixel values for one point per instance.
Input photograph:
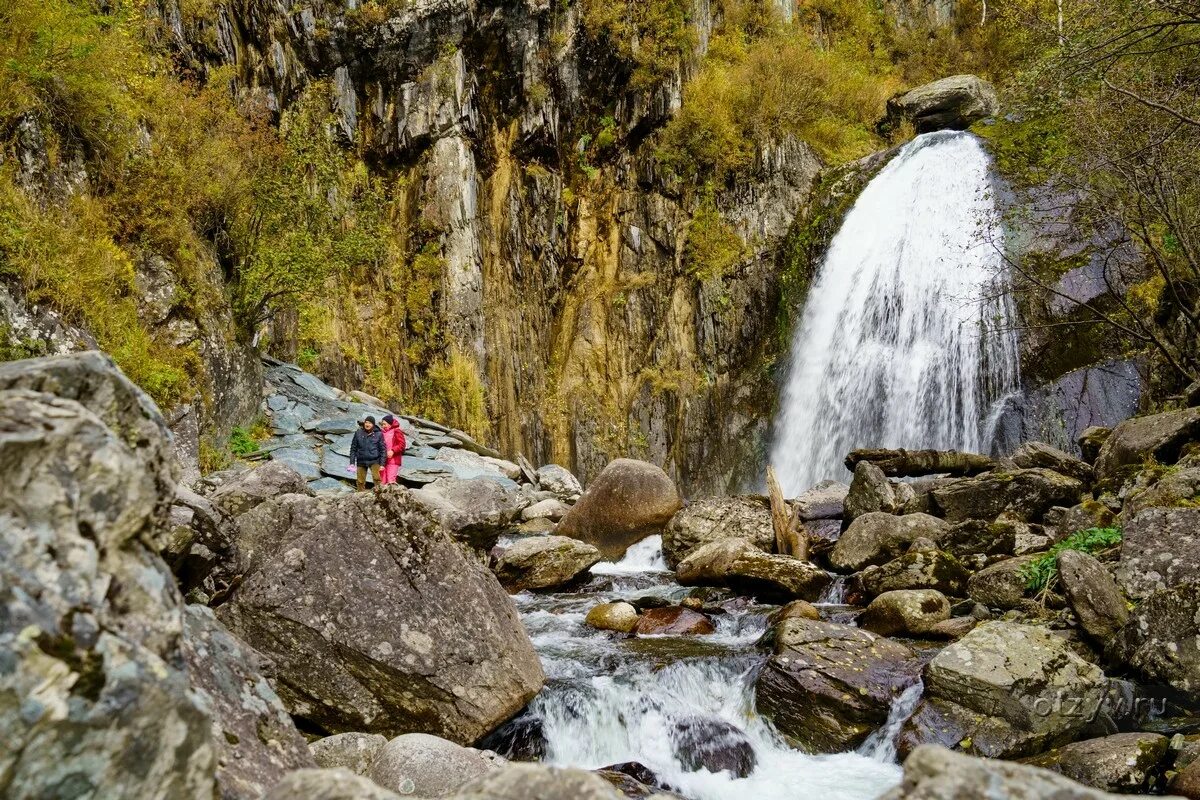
(367, 451)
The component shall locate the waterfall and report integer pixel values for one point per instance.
(906, 339)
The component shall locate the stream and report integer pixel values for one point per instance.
(611, 699)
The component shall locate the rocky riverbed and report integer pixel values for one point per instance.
(487, 629)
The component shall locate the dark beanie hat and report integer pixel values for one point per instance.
(389, 419)
(369, 419)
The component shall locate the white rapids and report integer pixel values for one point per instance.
(611, 700)
(905, 339)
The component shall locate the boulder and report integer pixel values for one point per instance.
(1178, 487)
(953, 628)
(522, 738)
(551, 508)
(628, 501)
(536, 782)
(1036, 454)
(1093, 595)
(673, 621)
(1186, 781)
(1160, 437)
(1006, 690)
(974, 537)
(353, 751)
(560, 481)
(1160, 640)
(426, 766)
(440, 651)
(328, 784)
(1001, 585)
(797, 608)
(919, 568)
(1127, 763)
(619, 616)
(822, 535)
(475, 510)
(1028, 493)
(877, 538)
(827, 686)
(257, 743)
(1160, 547)
(935, 773)
(251, 489)
(905, 613)
(635, 780)
(949, 103)
(202, 539)
(743, 567)
(544, 562)
(96, 700)
(826, 500)
(870, 491)
(712, 744)
(1081, 517)
(712, 518)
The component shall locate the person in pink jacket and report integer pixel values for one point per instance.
(395, 443)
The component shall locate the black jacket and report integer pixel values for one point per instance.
(367, 448)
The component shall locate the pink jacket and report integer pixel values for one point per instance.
(393, 439)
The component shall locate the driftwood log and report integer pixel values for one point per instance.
(916, 463)
(790, 537)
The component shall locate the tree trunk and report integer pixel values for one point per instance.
(915, 463)
(790, 538)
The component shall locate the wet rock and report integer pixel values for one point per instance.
(917, 569)
(475, 511)
(1160, 547)
(1005, 690)
(628, 501)
(1029, 493)
(620, 616)
(1036, 454)
(949, 103)
(826, 500)
(633, 780)
(328, 784)
(870, 491)
(712, 744)
(876, 538)
(96, 699)
(1159, 436)
(446, 651)
(353, 751)
(673, 621)
(905, 613)
(935, 773)
(953, 628)
(544, 562)
(560, 481)
(827, 686)
(551, 508)
(273, 479)
(1160, 640)
(1001, 585)
(426, 766)
(257, 742)
(712, 518)
(801, 609)
(1127, 763)
(1093, 595)
(536, 782)
(519, 739)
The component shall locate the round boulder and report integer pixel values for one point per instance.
(628, 501)
(353, 751)
(876, 538)
(544, 562)
(714, 745)
(949, 103)
(426, 766)
(673, 621)
(912, 612)
(620, 616)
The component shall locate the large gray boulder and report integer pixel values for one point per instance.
(426, 766)
(257, 742)
(877, 538)
(95, 695)
(250, 489)
(628, 501)
(870, 491)
(328, 784)
(560, 482)
(826, 500)
(1093, 595)
(949, 103)
(935, 773)
(1027, 493)
(1002, 585)
(1161, 641)
(1129, 763)
(743, 567)
(1160, 547)
(1177, 487)
(536, 782)
(474, 510)
(1006, 690)
(827, 686)
(1160, 437)
(712, 518)
(544, 562)
(379, 622)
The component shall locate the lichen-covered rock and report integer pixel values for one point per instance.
(619, 616)
(535, 782)
(905, 613)
(827, 686)
(378, 621)
(1161, 639)
(1037, 454)
(870, 491)
(1158, 436)
(1002, 585)
(426, 766)
(712, 518)
(250, 489)
(1179, 487)
(826, 500)
(743, 567)
(1029, 493)
(979, 537)
(628, 501)
(797, 608)
(876, 538)
(919, 568)
(475, 510)
(544, 562)
(1160, 547)
(954, 102)
(1128, 763)
(1093, 595)
(1081, 517)
(352, 751)
(673, 621)
(257, 742)
(1091, 440)
(328, 784)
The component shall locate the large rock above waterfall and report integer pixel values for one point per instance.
(827, 686)
(1028, 493)
(96, 702)
(544, 562)
(743, 567)
(1160, 640)
(1005, 690)
(876, 538)
(712, 518)
(954, 103)
(1160, 547)
(378, 622)
(1159, 436)
(628, 501)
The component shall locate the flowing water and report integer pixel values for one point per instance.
(904, 340)
(612, 699)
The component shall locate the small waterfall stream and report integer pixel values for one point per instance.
(905, 340)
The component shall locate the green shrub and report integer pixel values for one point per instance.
(1042, 572)
(241, 443)
(713, 247)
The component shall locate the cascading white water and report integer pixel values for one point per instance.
(905, 340)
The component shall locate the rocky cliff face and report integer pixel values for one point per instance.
(529, 176)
